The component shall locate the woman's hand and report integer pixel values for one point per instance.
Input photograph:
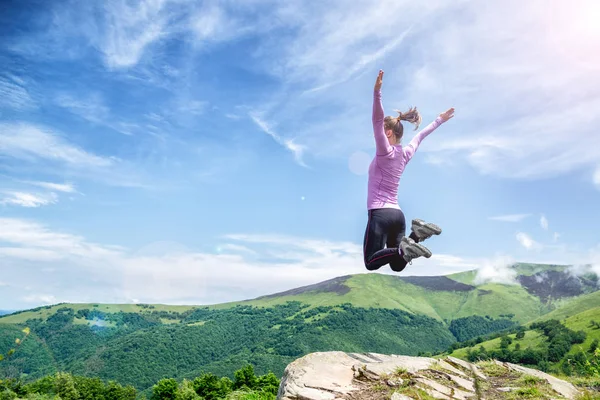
(379, 81)
(447, 114)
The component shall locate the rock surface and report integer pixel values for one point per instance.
(353, 376)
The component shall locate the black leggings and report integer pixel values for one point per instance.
(385, 227)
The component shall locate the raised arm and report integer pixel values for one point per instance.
(382, 144)
(412, 147)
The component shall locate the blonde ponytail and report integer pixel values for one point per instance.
(412, 116)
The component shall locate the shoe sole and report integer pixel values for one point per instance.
(415, 249)
(431, 228)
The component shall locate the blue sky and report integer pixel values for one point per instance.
(198, 152)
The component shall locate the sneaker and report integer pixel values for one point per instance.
(411, 249)
(424, 230)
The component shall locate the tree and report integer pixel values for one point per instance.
(520, 334)
(210, 387)
(245, 377)
(186, 391)
(165, 389)
(64, 386)
(89, 388)
(268, 383)
(593, 346)
(505, 341)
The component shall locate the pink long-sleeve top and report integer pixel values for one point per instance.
(389, 162)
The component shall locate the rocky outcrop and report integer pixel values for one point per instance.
(352, 376)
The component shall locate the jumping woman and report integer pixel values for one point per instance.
(386, 225)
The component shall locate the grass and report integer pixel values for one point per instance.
(588, 395)
(525, 393)
(532, 387)
(581, 321)
(490, 368)
(574, 306)
(531, 339)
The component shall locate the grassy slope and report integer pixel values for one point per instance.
(581, 322)
(378, 290)
(578, 321)
(574, 307)
(532, 338)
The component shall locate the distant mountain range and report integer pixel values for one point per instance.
(140, 343)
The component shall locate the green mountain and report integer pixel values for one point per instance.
(138, 344)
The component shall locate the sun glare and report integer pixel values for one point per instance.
(573, 29)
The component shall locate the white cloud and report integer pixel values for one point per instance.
(44, 299)
(91, 108)
(556, 236)
(496, 270)
(27, 141)
(526, 241)
(129, 30)
(296, 149)
(14, 94)
(50, 152)
(503, 59)
(27, 199)
(510, 217)
(193, 107)
(447, 264)
(596, 178)
(58, 187)
(235, 248)
(31, 235)
(247, 266)
(29, 253)
(544, 222)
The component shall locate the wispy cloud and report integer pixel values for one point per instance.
(14, 94)
(92, 108)
(480, 66)
(32, 235)
(596, 177)
(527, 242)
(129, 29)
(30, 200)
(58, 187)
(544, 222)
(497, 270)
(510, 217)
(48, 151)
(26, 141)
(295, 148)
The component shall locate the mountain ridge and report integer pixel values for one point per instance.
(367, 312)
(443, 297)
